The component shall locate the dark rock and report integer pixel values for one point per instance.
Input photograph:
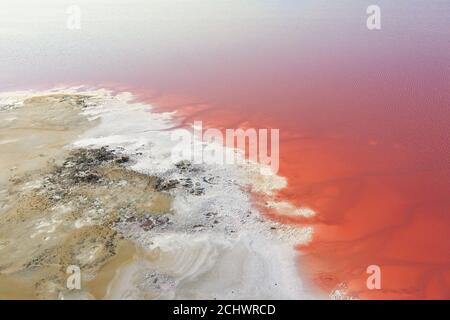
(161, 220)
(210, 214)
(187, 183)
(123, 159)
(197, 191)
(208, 180)
(147, 224)
(183, 165)
(162, 185)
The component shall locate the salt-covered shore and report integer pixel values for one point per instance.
(181, 230)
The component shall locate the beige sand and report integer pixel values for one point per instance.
(51, 216)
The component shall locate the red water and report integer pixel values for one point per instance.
(374, 165)
(366, 145)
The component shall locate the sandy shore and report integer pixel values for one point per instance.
(86, 180)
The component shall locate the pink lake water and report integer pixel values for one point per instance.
(364, 115)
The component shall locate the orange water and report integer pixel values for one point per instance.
(380, 190)
(367, 146)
